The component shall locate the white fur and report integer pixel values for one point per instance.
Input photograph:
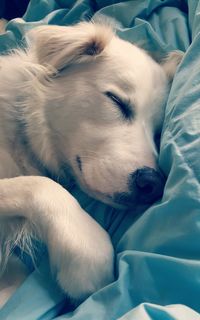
(3, 23)
(53, 108)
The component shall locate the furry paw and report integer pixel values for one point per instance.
(81, 253)
(86, 272)
(80, 250)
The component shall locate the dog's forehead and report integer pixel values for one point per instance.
(130, 64)
(127, 52)
(129, 68)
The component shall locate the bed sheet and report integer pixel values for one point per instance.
(157, 252)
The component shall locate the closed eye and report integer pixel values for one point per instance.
(124, 107)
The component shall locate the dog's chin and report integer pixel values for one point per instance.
(117, 200)
(106, 199)
(102, 197)
(121, 201)
(110, 200)
(117, 203)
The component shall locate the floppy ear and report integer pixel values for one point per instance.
(60, 46)
(171, 62)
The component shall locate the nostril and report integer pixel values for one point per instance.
(145, 180)
(147, 188)
(149, 183)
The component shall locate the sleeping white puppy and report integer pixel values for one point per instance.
(78, 102)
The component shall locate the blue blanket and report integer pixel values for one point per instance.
(157, 253)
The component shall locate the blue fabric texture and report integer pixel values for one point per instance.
(158, 252)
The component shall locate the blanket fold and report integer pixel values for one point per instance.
(158, 252)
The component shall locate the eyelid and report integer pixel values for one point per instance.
(125, 108)
(114, 97)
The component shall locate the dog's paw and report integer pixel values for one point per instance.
(86, 271)
(81, 252)
(85, 264)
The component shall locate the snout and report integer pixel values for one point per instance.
(146, 186)
(149, 184)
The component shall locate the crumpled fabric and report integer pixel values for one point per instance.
(157, 251)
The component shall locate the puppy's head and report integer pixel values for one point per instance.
(105, 105)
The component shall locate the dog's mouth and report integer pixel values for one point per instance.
(144, 187)
(124, 200)
(79, 163)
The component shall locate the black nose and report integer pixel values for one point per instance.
(149, 184)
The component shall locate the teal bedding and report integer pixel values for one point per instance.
(158, 252)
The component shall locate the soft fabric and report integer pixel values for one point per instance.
(157, 252)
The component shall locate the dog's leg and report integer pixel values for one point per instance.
(80, 251)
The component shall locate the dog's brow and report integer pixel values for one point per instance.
(124, 106)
